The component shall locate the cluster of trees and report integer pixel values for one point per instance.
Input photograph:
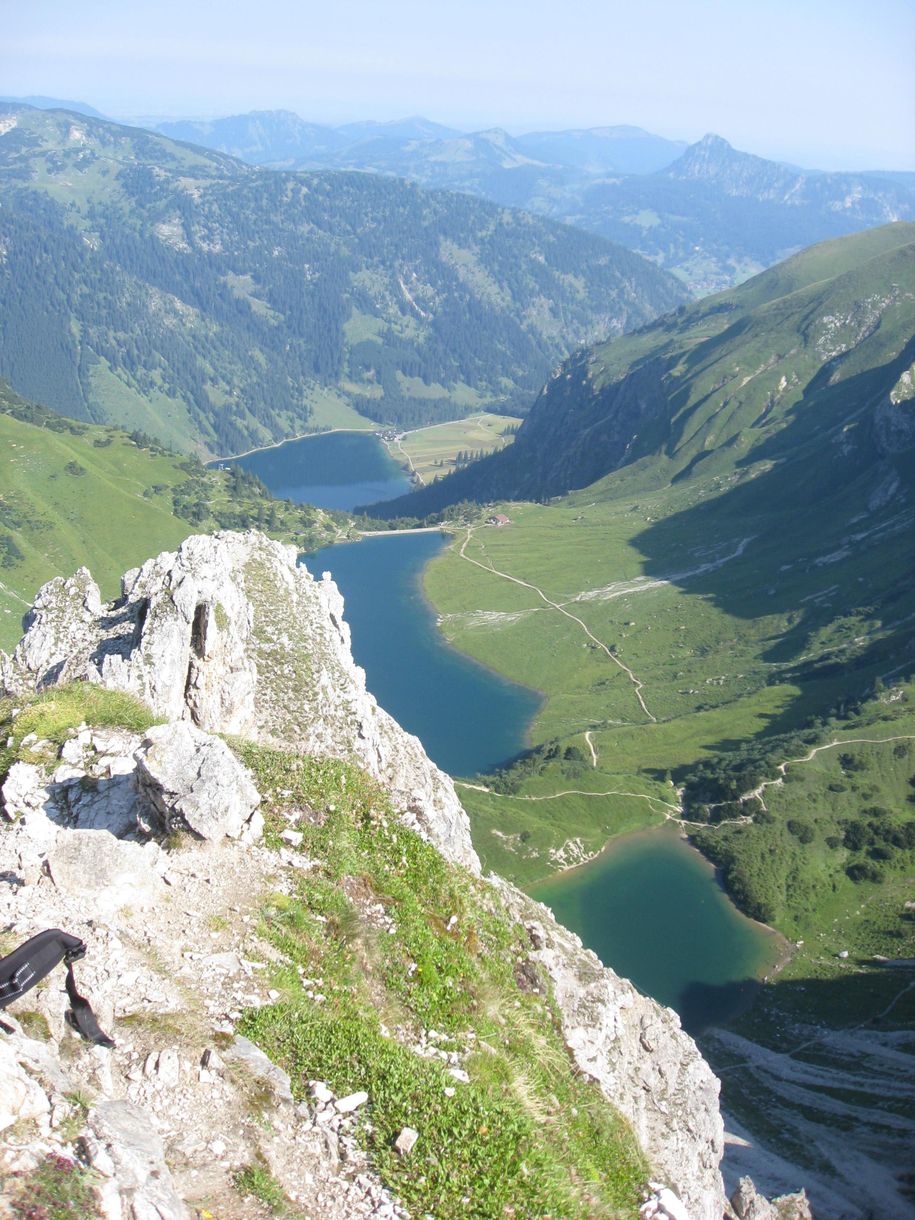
(454, 514)
(10, 553)
(776, 867)
(236, 499)
(569, 761)
(713, 787)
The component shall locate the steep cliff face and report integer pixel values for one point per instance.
(229, 636)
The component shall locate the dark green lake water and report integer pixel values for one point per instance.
(468, 718)
(650, 907)
(332, 470)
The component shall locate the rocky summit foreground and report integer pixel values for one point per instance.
(234, 893)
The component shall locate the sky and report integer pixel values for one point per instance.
(823, 83)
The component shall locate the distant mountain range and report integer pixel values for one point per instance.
(279, 138)
(174, 289)
(708, 213)
(711, 214)
(40, 102)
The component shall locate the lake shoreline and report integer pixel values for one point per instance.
(671, 826)
(470, 718)
(650, 903)
(303, 436)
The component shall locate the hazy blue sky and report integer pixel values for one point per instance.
(820, 82)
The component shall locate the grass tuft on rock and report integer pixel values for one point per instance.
(56, 1189)
(56, 714)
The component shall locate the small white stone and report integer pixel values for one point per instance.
(294, 837)
(320, 1092)
(405, 1141)
(217, 1147)
(168, 1068)
(346, 1105)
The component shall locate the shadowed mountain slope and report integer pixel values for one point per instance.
(792, 366)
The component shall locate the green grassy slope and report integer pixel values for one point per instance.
(221, 307)
(525, 1133)
(750, 563)
(74, 494)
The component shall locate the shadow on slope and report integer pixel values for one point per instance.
(826, 510)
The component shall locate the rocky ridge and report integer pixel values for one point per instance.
(228, 635)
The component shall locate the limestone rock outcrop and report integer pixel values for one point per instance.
(749, 1204)
(21, 1098)
(115, 873)
(130, 1157)
(192, 779)
(230, 634)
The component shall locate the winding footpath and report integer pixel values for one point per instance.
(591, 748)
(782, 768)
(670, 811)
(12, 593)
(490, 567)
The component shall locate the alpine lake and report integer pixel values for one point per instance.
(650, 906)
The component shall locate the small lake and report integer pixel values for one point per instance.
(468, 718)
(650, 907)
(330, 469)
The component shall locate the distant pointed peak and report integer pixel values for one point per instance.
(711, 140)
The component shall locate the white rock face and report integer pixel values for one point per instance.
(21, 1098)
(116, 874)
(230, 634)
(125, 1145)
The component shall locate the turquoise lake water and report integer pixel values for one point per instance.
(650, 907)
(332, 470)
(468, 718)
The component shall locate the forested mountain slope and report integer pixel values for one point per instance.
(173, 289)
(718, 215)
